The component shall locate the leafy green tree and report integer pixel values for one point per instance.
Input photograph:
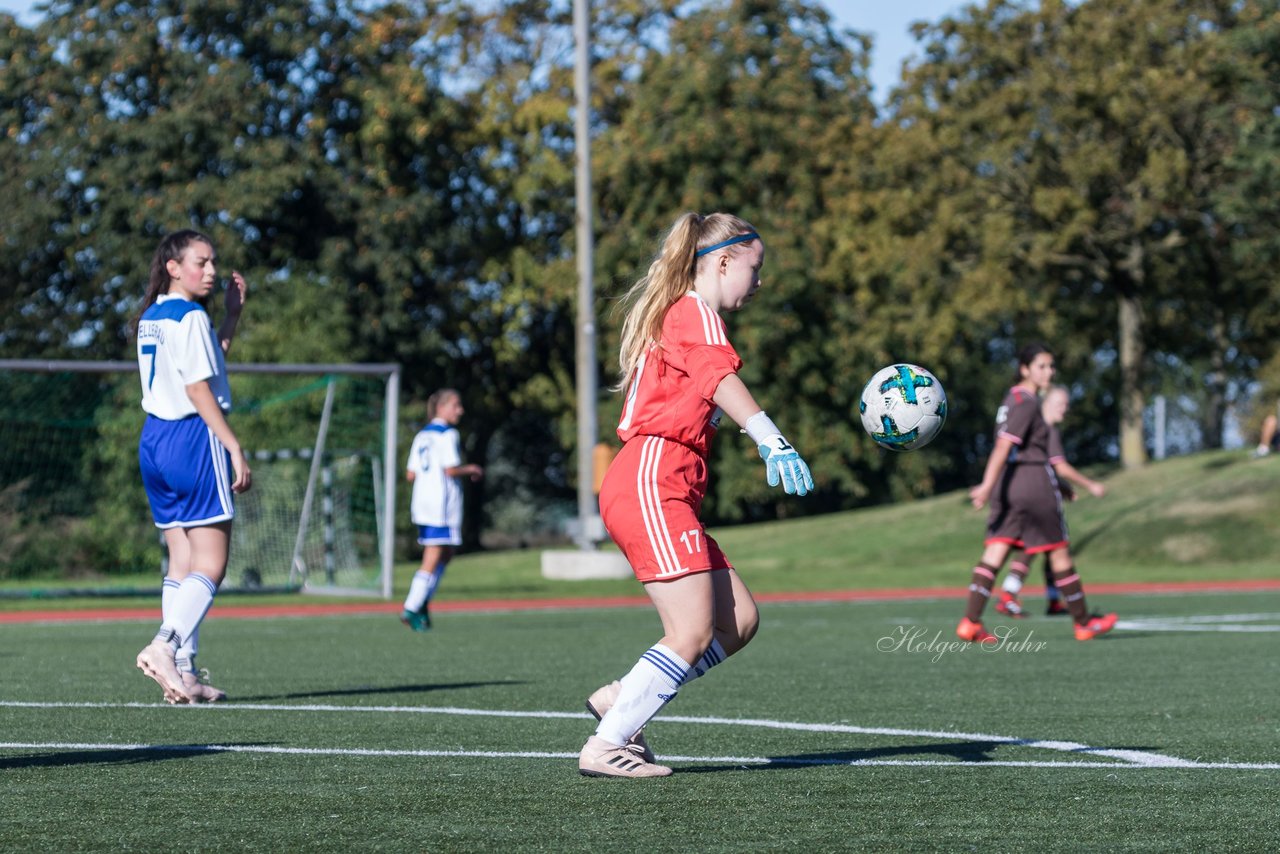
(742, 112)
(1096, 135)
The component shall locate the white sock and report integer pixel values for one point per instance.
(713, 656)
(191, 601)
(167, 590)
(418, 589)
(186, 657)
(1013, 584)
(434, 581)
(650, 685)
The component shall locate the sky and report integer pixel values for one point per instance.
(886, 20)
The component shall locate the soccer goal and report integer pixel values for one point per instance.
(321, 440)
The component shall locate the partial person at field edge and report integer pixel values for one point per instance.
(1026, 508)
(191, 461)
(1267, 435)
(434, 468)
(680, 374)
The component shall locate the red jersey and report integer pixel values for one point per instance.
(670, 394)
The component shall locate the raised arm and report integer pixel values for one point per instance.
(237, 291)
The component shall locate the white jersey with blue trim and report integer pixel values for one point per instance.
(437, 498)
(177, 347)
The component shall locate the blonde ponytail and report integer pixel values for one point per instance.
(670, 276)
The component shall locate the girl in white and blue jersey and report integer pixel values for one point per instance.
(435, 464)
(191, 461)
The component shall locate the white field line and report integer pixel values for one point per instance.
(1124, 758)
(1204, 623)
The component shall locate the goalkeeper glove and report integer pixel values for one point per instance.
(782, 463)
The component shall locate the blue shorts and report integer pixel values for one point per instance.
(186, 472)
(439, 535)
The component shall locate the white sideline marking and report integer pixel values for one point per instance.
(1204, 623)
(1124, 758)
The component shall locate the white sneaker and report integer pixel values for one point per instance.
(156, 660)
(601, 701)
(197, 685)
(599, 758)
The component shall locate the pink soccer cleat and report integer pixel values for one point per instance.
(156, 660)
(198, 687)
(599, 758)
(601, 701)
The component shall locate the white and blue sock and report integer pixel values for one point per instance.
(714, 655)
(189, 603)
(418, 589)
(651, 684)
(434, 581)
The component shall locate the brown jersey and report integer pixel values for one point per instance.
(1026, 507)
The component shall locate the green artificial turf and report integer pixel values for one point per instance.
(485, 696)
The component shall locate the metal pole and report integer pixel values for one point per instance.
(1160, 417)
(298, 565)
(392, 408)
(586, 337)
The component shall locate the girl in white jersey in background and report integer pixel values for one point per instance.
(191, 460)
(435, 464)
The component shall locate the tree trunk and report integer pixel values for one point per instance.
(474, 492)
(1213, 414)
(1133, 448)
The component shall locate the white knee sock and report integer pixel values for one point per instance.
(186, 657)
(650, 685)
(190, 603)
(713, 656)
(418, 590)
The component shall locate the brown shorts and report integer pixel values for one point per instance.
(1026, 510)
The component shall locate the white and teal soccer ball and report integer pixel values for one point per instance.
(903, 407)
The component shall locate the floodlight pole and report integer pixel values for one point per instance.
(586, 333)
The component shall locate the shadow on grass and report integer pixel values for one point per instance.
(108, 756)
(964, 751)
(369, 690)
(1079, 544)
(1225, 462)
(961, 752)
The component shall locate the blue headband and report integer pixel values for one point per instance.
(741, 238)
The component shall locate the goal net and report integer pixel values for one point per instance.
(320, 440)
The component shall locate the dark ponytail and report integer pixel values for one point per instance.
(170, 249)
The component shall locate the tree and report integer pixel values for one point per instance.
(741, 113)
(1099, 133)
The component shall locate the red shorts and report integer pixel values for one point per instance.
(650, 500)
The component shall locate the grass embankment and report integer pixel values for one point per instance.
(1209, 516)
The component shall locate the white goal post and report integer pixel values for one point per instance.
(324, 468)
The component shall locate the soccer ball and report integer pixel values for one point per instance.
(903, 407)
